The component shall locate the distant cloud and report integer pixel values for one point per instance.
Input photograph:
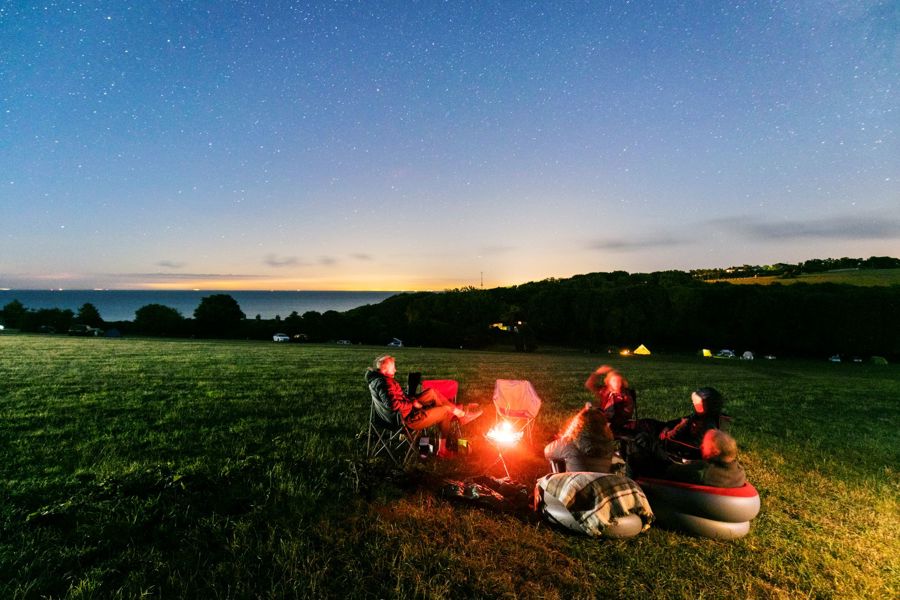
(281, 261)
(362, 256)
(495, 250)
(170, 264)
(327, 261)
(640, 243)
(838, 228)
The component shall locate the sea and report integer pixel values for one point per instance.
(120, 305)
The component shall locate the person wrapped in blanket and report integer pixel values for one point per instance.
(586, 444)
(394, 405)
(657, 443)
(614, 397)
(596, 504)
(719, 467)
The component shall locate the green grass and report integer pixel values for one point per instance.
(236, 469)
(864, 277)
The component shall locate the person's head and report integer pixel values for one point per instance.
(718, 445)
(386, 364)
(591, 432)
(707, 401)
(615, 382)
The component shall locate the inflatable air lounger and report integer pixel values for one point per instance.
(713, 512)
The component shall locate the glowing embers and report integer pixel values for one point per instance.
(504, 434)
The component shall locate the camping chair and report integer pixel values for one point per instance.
(516, 401)
(391, 438)
(449, 389)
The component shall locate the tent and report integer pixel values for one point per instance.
(879, 360)
(747, 355)
(706, 353)
(642, 350)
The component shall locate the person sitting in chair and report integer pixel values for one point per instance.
(614, 397)
(658, 443)
(719, 467)
(683, 436)
(587, 444)
(416, 412)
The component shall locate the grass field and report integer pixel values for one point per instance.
(203, 469)
(865, 277)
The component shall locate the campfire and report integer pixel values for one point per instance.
(503, 434)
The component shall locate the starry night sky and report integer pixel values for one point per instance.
(417, 145)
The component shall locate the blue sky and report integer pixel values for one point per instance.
(419, 145)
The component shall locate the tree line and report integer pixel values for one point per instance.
(667, 311)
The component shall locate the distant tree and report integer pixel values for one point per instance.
(13, 314)
(293, 322)
(881, 262)
(219, 314)
(48, 319)
(157, 319)
(89, 315)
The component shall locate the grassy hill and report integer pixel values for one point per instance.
(865, 277)
(208, 469)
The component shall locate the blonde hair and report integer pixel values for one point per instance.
(381, 360)
(725, 445)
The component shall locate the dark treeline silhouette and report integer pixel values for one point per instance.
(668, 311)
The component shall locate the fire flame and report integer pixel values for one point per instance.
(504, 434)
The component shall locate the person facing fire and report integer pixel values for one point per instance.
(586, 444)
(418, 411)
(614, 397)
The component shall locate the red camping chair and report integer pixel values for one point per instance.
(449, 389)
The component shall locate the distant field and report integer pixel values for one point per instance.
(205, 469)
(871, 277)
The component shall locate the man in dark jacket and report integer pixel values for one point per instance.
(393, 405)
(719, 467)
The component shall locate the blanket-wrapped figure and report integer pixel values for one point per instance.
(596, 504)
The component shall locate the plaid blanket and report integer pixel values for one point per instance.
(595, 500)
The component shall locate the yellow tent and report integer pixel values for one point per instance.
(642, 350)
(706, 353)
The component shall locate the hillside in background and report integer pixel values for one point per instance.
(863, 277)
(814, 266)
